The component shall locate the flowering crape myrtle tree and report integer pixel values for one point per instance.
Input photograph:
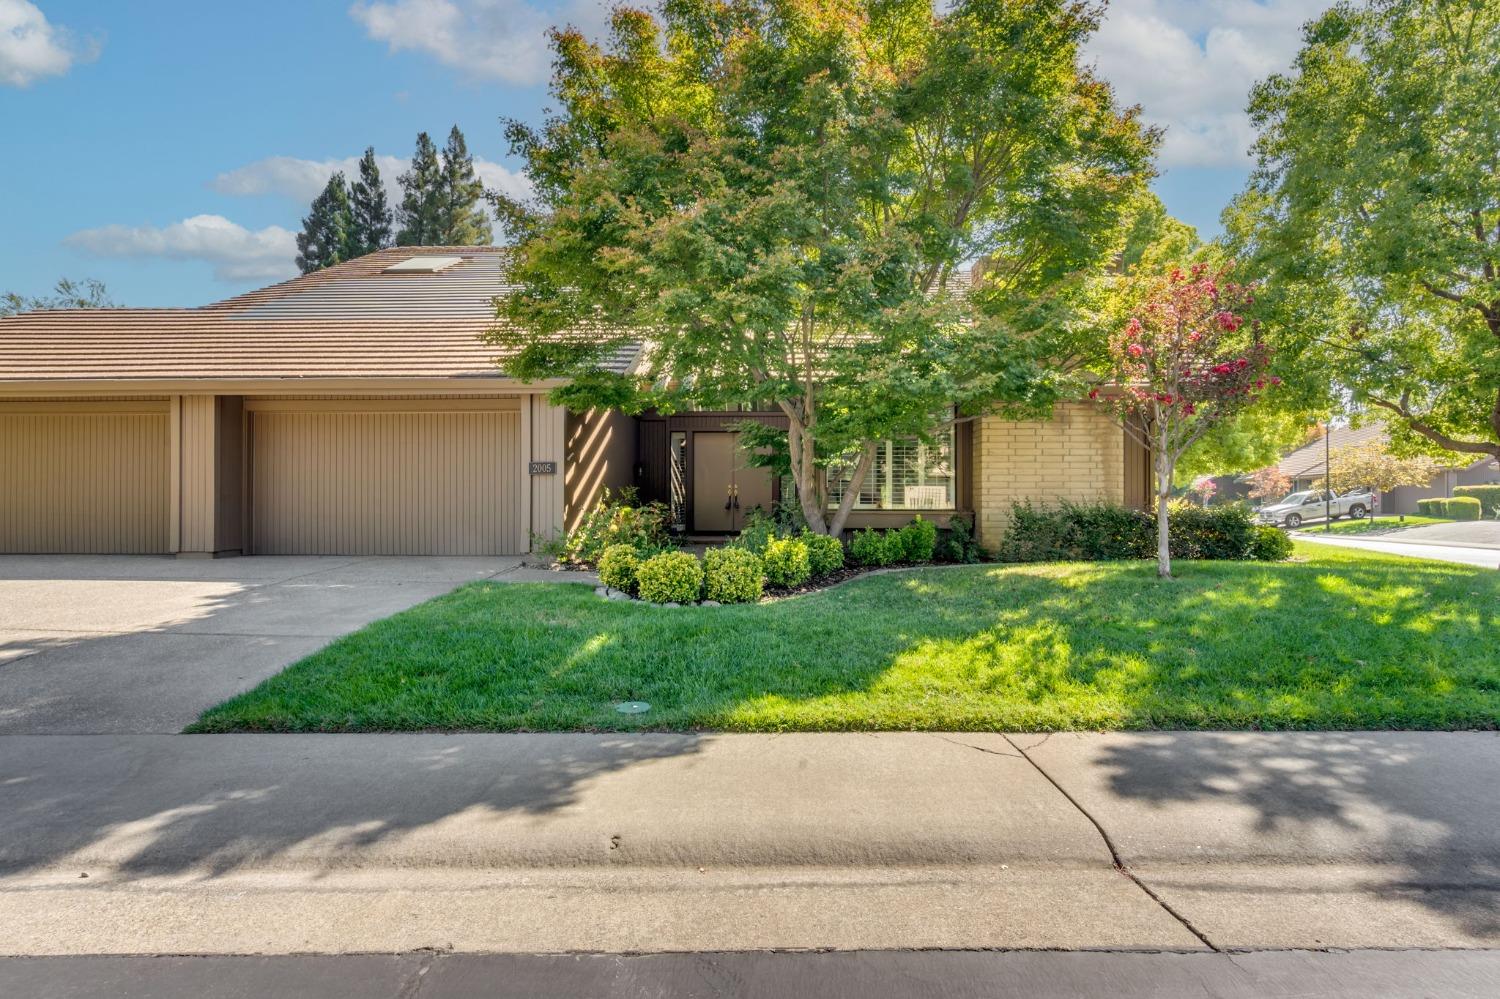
(1184, 362)
(1269, 483)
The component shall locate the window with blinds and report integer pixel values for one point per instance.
(908, 474)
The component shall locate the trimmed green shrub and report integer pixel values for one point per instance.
(1488, 497)
(1221, 532)
(786, 562)
(825, 553)
(732, 575)
(869, 548)
(617, 567)
(1077, 532)
(1452, 507)
(918, 540)
(957, 544)
(1270, 544)
(670, 577)
(1462, 507)
(1104, 532)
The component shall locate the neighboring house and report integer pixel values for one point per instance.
(1305, 466)
(356, 411)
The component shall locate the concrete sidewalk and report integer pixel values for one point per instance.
(1482, 557)
(525, 843)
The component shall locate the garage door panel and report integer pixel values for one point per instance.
(85, 482)
(386, 483)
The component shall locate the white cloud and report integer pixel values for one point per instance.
(31, 46)
(1190, 64)
(301, 180)
(236, 253)
(491, 39)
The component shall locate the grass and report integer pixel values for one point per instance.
(1336, 639)
(1379, 525)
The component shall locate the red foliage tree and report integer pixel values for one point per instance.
(1186, 360)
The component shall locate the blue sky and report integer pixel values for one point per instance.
(170, 148)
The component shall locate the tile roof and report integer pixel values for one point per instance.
(1307, 460)
(348, 321)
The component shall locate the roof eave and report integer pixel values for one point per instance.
(463, 385)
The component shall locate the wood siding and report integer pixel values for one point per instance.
(601, 454)
(380, 478)
(85, 477)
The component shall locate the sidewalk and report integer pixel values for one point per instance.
(651, 843)
(1485, 558)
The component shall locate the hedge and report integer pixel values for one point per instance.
(670, 578)
(1452, 507)
(1095, 532)
(1488, 497)
(732, 575)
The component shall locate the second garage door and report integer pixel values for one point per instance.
(384, 480)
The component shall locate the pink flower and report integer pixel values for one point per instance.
(1133, 327)
(1135, 350)
(1093, 393)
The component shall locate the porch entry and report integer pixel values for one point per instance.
(725, 486)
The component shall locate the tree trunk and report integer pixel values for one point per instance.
(856, 483)
(1163, 493)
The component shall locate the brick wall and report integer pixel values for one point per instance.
(1079, 455)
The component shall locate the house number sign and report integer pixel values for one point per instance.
(544, 468)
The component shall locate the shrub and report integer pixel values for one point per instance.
(786, 562)
(918, 540)
(1463, 507)
(1488, 497)
(1224, 532)
(1077, 532)
(869, 548)
(1270, 544)
(957, 544)
(825, 553)
(1452, 507)
(616, 520)
(1103, 532)
(617, 567)
(670, 577)
(732, 575)
(759, 531)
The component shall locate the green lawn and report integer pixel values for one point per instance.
(1379, 525)
(1335, 639)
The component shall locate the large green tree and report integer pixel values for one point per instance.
(463, 217)
(779, 198)
(443, 201)
(370, 216)
(1374, 215)
(421, 197)
(325, 236)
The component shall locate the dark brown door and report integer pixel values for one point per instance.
(725, 487)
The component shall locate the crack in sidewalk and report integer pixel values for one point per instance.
(1109, 844)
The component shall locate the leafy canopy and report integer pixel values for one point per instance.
(779, 196)
(1374, 214)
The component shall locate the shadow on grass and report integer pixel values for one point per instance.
(1336, 642)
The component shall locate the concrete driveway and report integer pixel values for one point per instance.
(138, 644)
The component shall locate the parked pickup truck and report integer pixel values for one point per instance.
(1312, 504)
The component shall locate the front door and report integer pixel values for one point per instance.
(725, 486)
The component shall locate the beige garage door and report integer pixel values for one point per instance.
(360, 480)
(84, 477)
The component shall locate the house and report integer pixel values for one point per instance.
(356, 411)
(1305, 466)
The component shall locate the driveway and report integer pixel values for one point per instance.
(138, 644)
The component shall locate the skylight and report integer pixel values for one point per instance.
(423, 265)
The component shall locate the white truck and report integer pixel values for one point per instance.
(1315, 504)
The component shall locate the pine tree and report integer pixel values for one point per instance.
(462, 219)
(421, 196)
(324, 239)
(371, 229)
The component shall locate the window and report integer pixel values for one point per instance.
(678, 504)
(908, 474)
